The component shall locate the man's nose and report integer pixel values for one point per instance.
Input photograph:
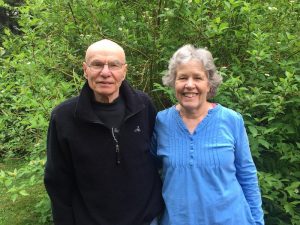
(105, 71)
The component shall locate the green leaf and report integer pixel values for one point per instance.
(7, 182)
(23, 193)
(264, 143)
(268, 197)
(227, 5)
(253, 131)
(289, 208)
(223, 26)
(14, 197)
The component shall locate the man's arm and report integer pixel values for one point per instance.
(58, 178)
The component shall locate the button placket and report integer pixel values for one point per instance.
(192, 151)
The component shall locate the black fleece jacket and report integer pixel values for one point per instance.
(91, 180)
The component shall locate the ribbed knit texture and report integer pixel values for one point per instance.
(209, 176)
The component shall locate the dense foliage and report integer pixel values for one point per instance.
(256, 45)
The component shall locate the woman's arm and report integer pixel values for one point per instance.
(246, 172)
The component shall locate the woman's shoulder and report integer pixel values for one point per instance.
(167, 115)
(229, 113)
(166, 112)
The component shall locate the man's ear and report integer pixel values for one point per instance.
(125, 72)
(84, 68)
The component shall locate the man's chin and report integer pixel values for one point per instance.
(105, 96)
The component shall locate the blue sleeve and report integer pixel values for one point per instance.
(246, 172)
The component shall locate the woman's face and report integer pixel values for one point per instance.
(191, 85)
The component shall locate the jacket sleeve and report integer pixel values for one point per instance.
(246, 172)
(152, 121)
(58, 178)
(152, 114)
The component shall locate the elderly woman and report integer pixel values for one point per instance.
(208, 173)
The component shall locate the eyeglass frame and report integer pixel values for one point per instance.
(109, 64)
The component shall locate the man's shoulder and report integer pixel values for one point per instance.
(66, 106)
(141, 94)
(132, 92)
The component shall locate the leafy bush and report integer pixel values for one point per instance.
(256, 45)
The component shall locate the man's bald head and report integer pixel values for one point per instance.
(107, 46)
(105, 69)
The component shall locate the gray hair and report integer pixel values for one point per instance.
(186, 54)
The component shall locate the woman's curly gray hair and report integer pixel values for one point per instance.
(184, 55)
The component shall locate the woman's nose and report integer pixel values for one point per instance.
(189, 83)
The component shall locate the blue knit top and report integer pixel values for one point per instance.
(209, 177)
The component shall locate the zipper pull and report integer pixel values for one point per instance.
(118, 154)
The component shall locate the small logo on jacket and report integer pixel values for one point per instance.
(137, 129)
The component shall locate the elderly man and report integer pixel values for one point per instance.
(99, 170)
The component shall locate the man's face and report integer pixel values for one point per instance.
(105, 69)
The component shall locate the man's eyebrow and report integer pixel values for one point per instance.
(109, 61)
(97, 61)
(115, 61)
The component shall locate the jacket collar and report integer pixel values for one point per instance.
(84, 109)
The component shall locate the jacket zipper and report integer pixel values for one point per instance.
(117, 147)
(118, 157)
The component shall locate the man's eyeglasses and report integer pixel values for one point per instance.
(99, 66)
